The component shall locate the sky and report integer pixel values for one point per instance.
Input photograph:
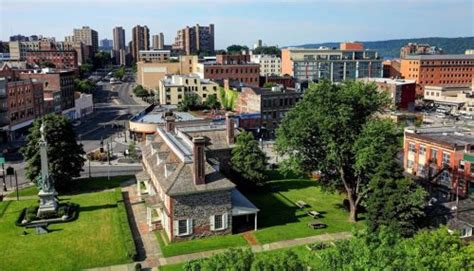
(276, 22)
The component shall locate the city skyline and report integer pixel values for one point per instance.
(338, 20)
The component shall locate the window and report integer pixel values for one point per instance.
(461, 165)
(422, 150)
(411, 147)
(219, 222)
(183, 227)
(446, 158)
(434, 155)
(410, 164)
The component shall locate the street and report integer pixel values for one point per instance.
(113, 107)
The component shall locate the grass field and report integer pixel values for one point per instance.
(94, 239)
(198, 245)
(280, 219)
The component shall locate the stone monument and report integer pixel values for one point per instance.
(48, 203)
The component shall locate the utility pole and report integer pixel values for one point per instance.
(4, 183)
(89, 168)
(108, 162)
(16, 181)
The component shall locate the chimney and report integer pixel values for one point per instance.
(170, 124)
(229, 127)
(199, 173)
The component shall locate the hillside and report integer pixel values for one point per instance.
(391, 48)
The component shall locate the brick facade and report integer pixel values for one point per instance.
(60, 59)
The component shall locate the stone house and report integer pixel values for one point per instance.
(185, 193)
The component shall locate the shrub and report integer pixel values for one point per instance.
(126, 232)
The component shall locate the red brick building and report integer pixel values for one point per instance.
(58, 84)
(60, 59)
(286, 81)
(443, 157)
(232, 67)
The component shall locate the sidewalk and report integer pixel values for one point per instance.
(261, 248)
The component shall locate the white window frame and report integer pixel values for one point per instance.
(446, 161)
(225, 222)
(422, 150)
(189, 227)
(411, 147)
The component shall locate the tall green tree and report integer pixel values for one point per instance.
(396, 204)
(65, 155)
(385, 250)
(248, 159)
(212, 102)
(267, 50)
(119, 73)
(190, 101)
(234, 48)
(334, 129)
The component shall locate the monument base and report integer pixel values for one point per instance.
(48, 204)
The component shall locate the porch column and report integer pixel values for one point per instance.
(148, 218)
(139, 191)
(255, 228)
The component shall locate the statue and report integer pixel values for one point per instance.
(47, 193)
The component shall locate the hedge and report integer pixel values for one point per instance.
(125, 226)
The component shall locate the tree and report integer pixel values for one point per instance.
(139, 91)
(267, 50)
(395, 204)
(269, 85)
(212, 102)
(65, 155)
(236, 48)
(190, 101)
(233, 259)
(101, 60)
(248, 159)
(334, 129)
(385, 250)
(287, 260)
(132, 150)
(84, 86)
(47, 64)
(119, 73)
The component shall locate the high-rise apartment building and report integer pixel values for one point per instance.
(140, 41)
(106, 44)
(438, 70)
(119, 45)
(194, 40)
(158, 41)
(88, 36)
(350, 61)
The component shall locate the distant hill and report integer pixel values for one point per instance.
(391, 48)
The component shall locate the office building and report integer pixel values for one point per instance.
(150, 73)
(119, 45)
(158, 41)
(195, 40)
(154, 55)
(350, 61)
(88, 36)
(438, 70)
(454, 100)
(271, 103)
(140, 41)
(419, 49)
(232, 67)
(106, 43)
(269, 64)
(441, 157)
(173, 88)
(391, 68)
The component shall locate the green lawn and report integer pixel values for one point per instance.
(280, 219)
(28, 191)
(198, 245)
(94, 239)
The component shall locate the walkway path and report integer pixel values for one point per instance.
(260, 248)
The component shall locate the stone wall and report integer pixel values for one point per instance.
(200, 207)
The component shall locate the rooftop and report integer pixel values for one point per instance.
(389, 81)
(440, 57)
(456, 136)
(157, 115)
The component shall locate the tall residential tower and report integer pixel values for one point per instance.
(119, 45)
(140, 41)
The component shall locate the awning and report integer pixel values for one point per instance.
(241, 205)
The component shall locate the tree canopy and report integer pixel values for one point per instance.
(84, 86)
(236, 48)
(65, 155)
(248, 160)
(385, 250)
(119, 73)
(334, 129)
(267, 50)
(190, 101)
(395, 204)
(140, 91)
(212, 102)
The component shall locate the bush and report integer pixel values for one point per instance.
(126, 232)
(317, 246)
(97, 156)
(31, 213)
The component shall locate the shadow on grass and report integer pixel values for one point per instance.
(96, 207)
(141, 252)
(86, 185)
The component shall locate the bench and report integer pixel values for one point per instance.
(317, 225)
(41, 228)
(301, 204)
(313, 214)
